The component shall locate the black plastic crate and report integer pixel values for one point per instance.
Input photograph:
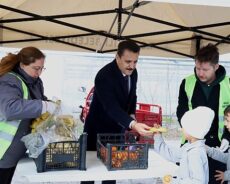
(121, 152)
(142, 139)
(63, 155)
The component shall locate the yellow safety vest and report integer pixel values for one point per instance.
(224, 100)
(8, 129)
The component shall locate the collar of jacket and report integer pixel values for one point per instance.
(199, 143)
(26, 78)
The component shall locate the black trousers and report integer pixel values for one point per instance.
(103, 182)
(6, 175)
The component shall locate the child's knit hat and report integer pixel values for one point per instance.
(197, 122)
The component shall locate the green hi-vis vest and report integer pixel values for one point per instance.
(8, 129)
(224, 99)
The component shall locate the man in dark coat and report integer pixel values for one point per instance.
(114, 101)
(208, 86)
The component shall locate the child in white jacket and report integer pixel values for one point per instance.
(192, 155)
(216, 154)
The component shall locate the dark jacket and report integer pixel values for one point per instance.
(205, 95)
(111, 105)
(14, 107)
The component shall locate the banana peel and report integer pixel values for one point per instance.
(160, 129)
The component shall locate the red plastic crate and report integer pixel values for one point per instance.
(148, 114)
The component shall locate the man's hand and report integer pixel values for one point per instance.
(142, 129)
(219, 176)
(158, 129)
(224, 145)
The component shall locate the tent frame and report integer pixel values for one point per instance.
(118, 12)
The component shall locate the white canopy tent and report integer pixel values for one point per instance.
(164, 29)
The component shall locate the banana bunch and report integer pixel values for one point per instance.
(64, 126)
(63, 131)
(39, 120)
(67, 119)
(160, 129)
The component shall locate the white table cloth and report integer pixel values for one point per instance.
(96, 170)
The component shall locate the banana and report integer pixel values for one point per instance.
(44, 116)
(34, 124)
(39, 120)
(67, 119)
(160, 129)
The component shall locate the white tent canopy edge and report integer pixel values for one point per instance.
(224, 3)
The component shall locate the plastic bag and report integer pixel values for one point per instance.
(49, 128)
(35, 143)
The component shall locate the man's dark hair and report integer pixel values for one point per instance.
(227, 110)
(127, 45)
(209, 54)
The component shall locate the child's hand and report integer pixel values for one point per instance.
(167, 179)
(219, 176)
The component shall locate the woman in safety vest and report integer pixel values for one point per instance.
(21, 100)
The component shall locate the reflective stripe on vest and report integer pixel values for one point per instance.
(224, 100)
(8, 129)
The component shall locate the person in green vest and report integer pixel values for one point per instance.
(21, 100)
(208, 86)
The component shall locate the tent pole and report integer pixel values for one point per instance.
(198, 39)
(110, 29)
(129, 16)
(119, 17)
(222, 41)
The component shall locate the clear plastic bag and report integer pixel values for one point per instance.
(53, 128)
